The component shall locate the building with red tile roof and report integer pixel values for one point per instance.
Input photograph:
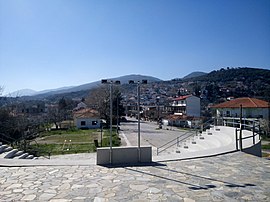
(188, 105)
(252, 108)
(87, 118)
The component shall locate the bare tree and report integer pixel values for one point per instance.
(99, 99)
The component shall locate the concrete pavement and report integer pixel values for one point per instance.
(232, 177)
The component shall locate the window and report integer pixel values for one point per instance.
(83, 123)
(94, 123)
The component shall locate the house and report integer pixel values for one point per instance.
(185, 111)
(251, 108)
(188, 105)
(87, 119)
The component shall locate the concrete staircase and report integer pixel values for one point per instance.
(8, 152)
(213, 141)
(212, 138)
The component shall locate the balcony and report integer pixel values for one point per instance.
(179, 104)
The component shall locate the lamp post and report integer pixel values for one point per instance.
(157, 99)
(138, 114)
(110, 82)
(117, 112)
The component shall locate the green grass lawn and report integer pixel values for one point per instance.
(267, 146)
(72, 141)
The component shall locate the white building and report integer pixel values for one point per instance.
(186, 112)
(188, 105)
(251, 108)
(87, 119)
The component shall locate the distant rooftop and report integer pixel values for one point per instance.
(182, 97)
(246, 102)
(86, 113)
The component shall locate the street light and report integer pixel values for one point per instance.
(158, 111)
(138, 113)
(157, 99)
(110, 82)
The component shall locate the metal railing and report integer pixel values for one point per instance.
(207, 124)
(176, 141)
(252, 125)
(246, 124)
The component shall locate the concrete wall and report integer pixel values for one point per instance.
(255, 150)
(124, 155)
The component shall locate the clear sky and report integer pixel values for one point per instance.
(48, 44)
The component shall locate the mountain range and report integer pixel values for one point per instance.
(123, 79)
(240, 81)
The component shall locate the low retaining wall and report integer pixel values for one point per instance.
(124, 155)
(255, 150)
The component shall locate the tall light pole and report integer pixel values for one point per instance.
(110, 82)
(138, 114)
(157, 99)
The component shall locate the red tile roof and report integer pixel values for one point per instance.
(86, 113)
(182, 97)
(246, 102)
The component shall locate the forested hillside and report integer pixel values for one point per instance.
(236, 82)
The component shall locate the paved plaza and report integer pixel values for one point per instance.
(231, 177)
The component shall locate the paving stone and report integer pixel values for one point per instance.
(188, 200)
(98, 199)
(17, 190)
(77, 186)
(29, 197)
(138, 187)
(153, 190)
(60, 200)
(46, 196)
(211, 179)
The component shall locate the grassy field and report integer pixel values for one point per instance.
(72, 141)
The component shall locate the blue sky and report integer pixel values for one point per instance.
(47, 44)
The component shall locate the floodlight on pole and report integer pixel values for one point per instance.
(138, 114)
(110, 82)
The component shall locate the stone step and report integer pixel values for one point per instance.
(7, 149)
(23, 156)
(10, 154)
(2, 148)
(19, 153)
(29, 157)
